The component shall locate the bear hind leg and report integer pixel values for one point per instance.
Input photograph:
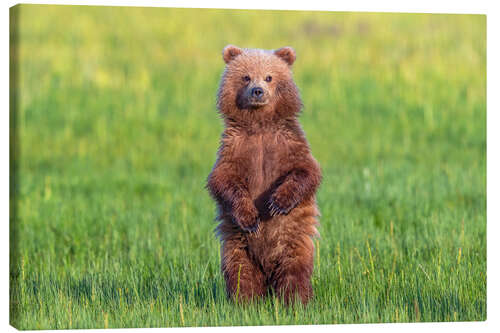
(292, 279)
(244, 279)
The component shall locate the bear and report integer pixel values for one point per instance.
(264, 179)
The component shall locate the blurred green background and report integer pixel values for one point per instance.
(114, 130)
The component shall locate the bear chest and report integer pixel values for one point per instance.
(266, 158)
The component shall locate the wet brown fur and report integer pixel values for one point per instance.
(264, 181)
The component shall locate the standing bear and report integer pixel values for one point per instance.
(264, 179)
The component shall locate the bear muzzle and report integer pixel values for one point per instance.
(252, 97)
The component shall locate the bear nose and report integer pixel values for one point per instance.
(257, 92)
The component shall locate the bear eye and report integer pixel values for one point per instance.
(269, 78)
(246, 78)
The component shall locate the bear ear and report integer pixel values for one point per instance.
(287, 54)
(230, 52)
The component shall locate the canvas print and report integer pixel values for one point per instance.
(176, 167)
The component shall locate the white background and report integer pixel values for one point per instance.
(414, 6)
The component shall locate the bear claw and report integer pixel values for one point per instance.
(276, 209)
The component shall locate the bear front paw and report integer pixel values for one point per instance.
(281, 204)
(247, 216)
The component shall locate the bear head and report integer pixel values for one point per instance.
(258, 84)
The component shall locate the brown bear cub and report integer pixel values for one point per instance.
(265, 178)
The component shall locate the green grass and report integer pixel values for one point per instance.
(114, 131)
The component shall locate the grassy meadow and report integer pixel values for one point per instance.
(114, 130)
